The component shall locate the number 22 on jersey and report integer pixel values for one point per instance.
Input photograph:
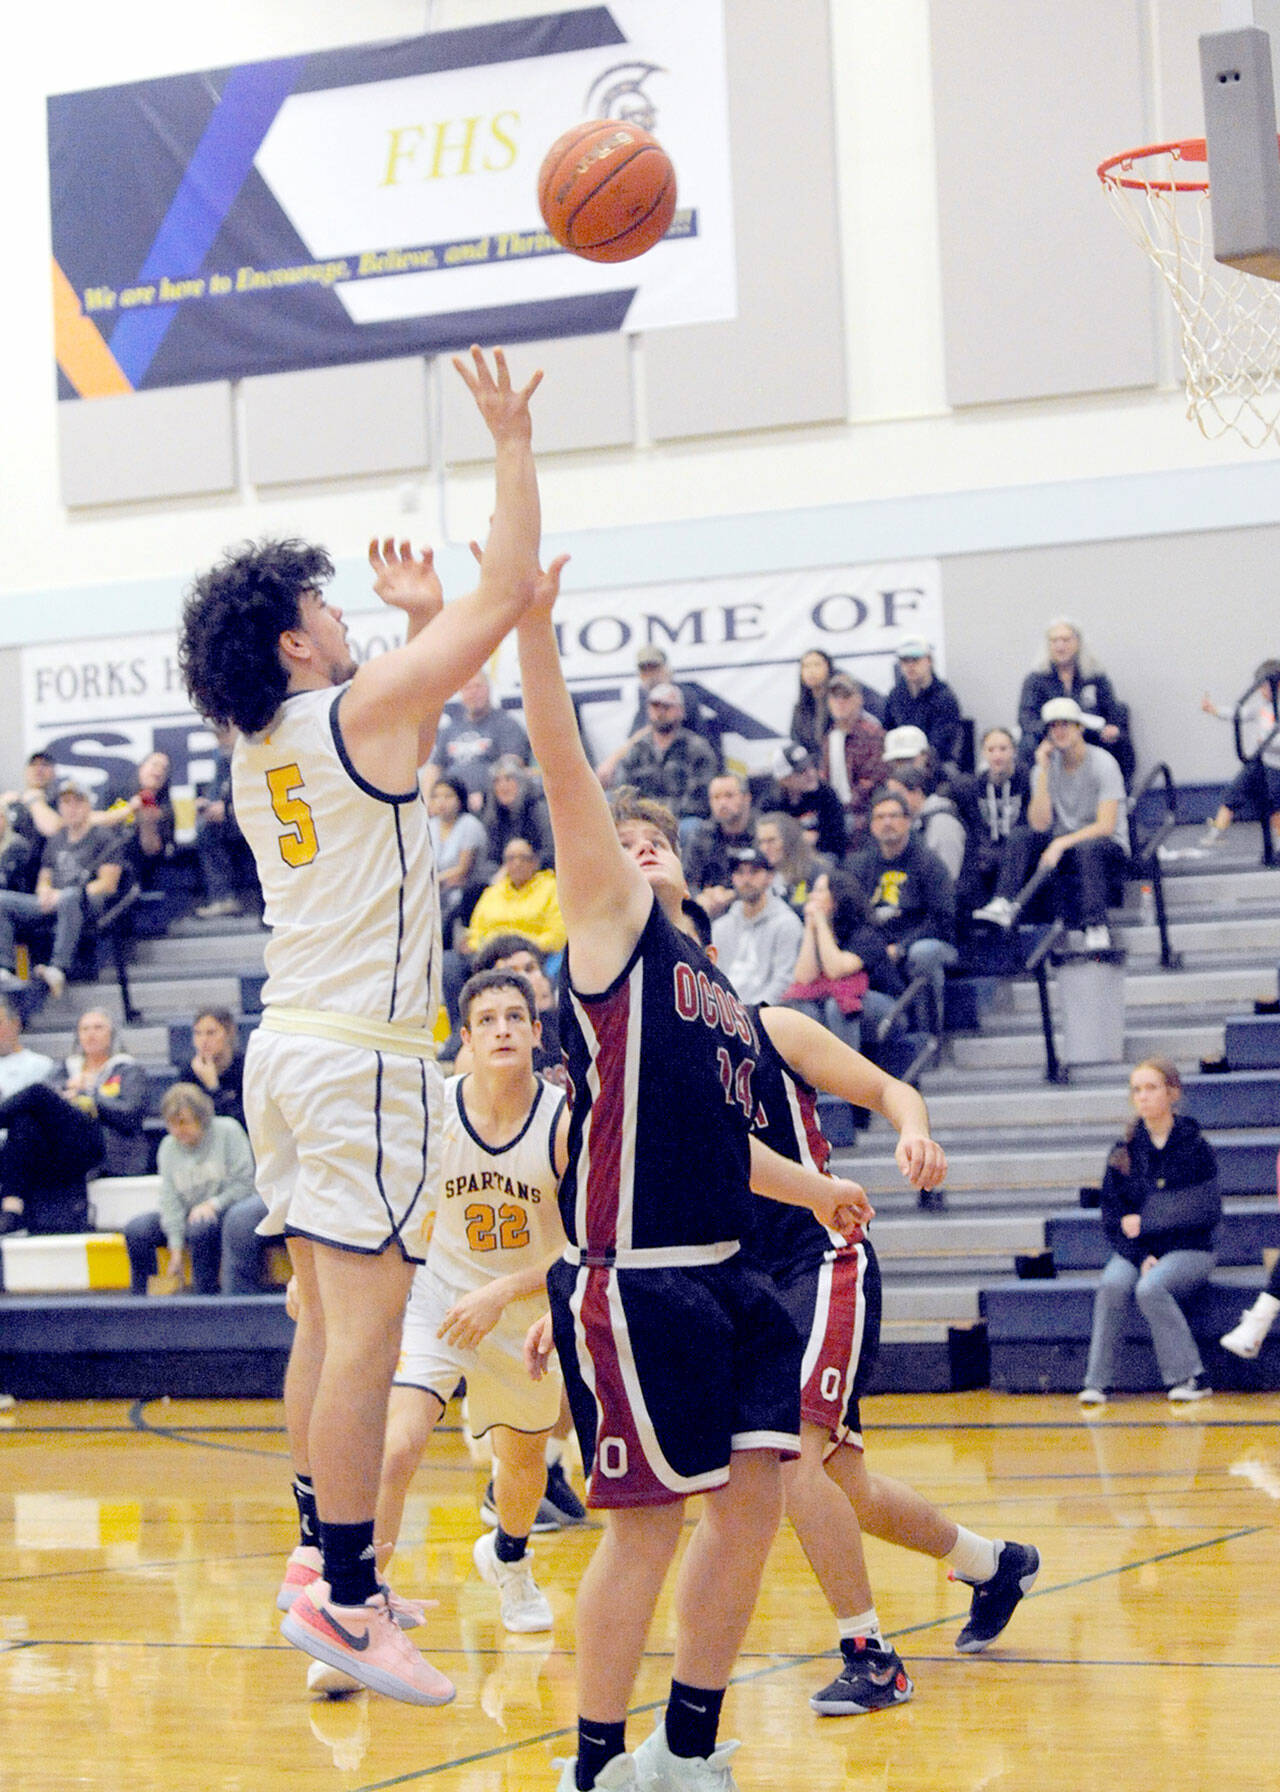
(298, 843)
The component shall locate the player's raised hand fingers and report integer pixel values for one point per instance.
(528, 391)
(477, 553)
(375, 555)
(474, 373)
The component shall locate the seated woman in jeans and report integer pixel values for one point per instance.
(1160, 1204)
(205, 1167)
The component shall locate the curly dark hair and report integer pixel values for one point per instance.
(232, 620)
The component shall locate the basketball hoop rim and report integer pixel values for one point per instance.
(1185, 149)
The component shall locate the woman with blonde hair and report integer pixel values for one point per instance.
(1068, 669)
(1160, 1205)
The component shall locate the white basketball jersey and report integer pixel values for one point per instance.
(347, 872)
(496, 1207)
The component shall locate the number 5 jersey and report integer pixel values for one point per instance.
(348, 878)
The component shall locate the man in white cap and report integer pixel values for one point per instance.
(920, 699)
(1077, 825)
(906, 746)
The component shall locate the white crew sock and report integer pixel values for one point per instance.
(865, 1624)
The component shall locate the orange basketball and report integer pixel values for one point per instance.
(607, 190)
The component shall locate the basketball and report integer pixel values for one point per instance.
(607, 190)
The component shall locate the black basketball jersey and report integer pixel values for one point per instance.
(785, 1238)
(662, 1068)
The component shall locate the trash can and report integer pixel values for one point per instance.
(1091, 1007)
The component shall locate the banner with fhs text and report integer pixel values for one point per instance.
(377, 200)
(99, 706)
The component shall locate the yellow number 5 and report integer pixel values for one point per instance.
(299, 846)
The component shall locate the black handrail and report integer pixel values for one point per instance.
(1270, 681)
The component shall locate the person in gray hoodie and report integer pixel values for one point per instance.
(205, 1167)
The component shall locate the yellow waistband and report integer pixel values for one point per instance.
(350, 1029)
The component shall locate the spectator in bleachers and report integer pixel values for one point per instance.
(217, 1063)
(811, 716)
(707, 858)
(908, 747)
(759, 935)
(19, 856)
(521, 899)
(226, 863)
(48, 1143)
(1077, 830)
(461, 848)
(34, 811)
(512, 952)
(1252, 782)
(851, 751)
(992, 805)
(799, 789)
(704, 712)
(217, 1067)
(911, 898)
(934, 819)
(205, 1168)
(669, 762)
(468, 746)
(1160, 1205)
(843, 976)
(46, 1148)
(1068, 669)
(111, 1087)
(81, 868)
(515, 809)
(19, 1065)
(145, 818)
(796, 865)
(919, 699)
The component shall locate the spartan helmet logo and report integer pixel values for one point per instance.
(619, 93)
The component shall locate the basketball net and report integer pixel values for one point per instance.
(1229, 321)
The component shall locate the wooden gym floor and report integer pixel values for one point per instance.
(140, 1550)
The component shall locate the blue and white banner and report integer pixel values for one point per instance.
(98, 706)
(378, 200)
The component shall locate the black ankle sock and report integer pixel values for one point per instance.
(508, 1548)
(693, 1717)
(304, 1495)
(350, 1566)
(597, 1746)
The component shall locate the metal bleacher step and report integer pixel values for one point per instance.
(1024, 1050)
(209, 955)
(1233, 986)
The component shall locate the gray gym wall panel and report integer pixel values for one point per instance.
(781, 361)
(1168, 616)
(337, 422)
(177, 442)
(584, 402)
(1044, 293)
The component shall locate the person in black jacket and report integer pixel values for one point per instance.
(911, 896)
(1160, 1205)
(920, 699)
(1068, 669)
